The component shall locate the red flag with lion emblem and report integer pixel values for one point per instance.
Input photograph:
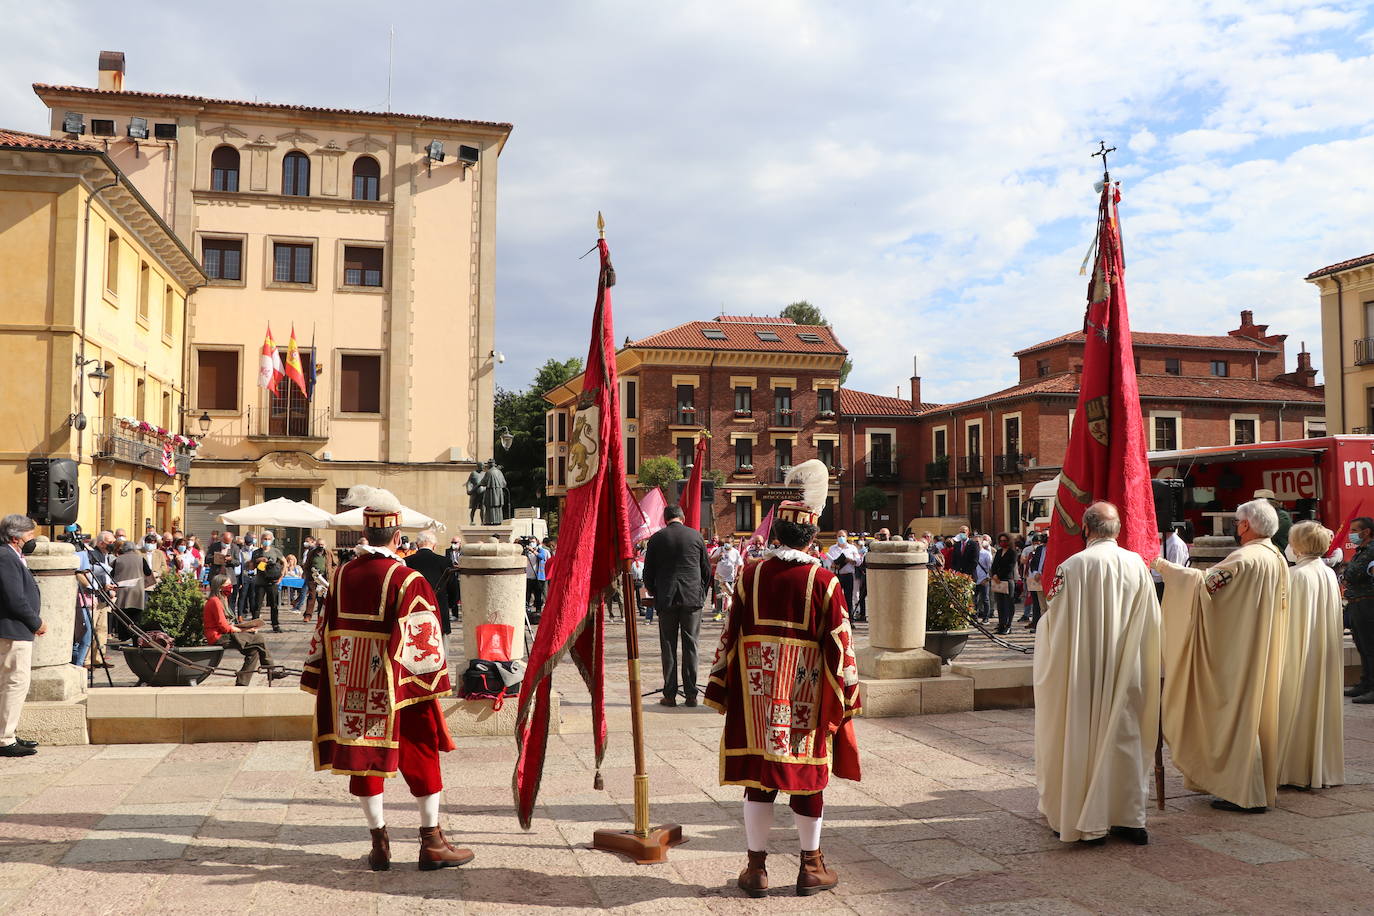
(593, 543)
(1106, 453)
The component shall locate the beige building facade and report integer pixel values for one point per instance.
(342, 224)
(91, 281)
(1347, 304)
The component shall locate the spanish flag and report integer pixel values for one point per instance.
(293, 364)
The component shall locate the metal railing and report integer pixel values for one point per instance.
(786, 419)
(938, 470)
(971, 466)
(685, 416)
(1010, 463)
(288, 421)
(1364, 351)
(132, 447)
(881, 468)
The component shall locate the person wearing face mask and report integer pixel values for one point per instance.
(1359, 606)
(220, 632)
(1002, 575)
(20, 622)
(269, 563)
(130, 573)
(157, 560)
(843, 559)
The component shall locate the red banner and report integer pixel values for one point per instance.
(1106, 454)
(593, 545)
(690, 498)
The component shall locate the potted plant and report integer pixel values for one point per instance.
(743, 412)
(825, 415)
(949, 608)
(173, 608)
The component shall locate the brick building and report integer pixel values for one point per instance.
(766, 388)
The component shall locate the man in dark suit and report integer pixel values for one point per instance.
(678, 575)
(20, 622)
(438, 572)
(965, 555)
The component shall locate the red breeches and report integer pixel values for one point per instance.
(419, 733)
(805, 805)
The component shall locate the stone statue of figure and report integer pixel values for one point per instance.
(476, 486)
(495, 495)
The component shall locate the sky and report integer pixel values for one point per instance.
(919, 171)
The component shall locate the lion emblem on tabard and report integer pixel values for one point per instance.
(583, 453)
(1098, 419)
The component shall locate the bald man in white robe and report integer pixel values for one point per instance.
(1097, 656)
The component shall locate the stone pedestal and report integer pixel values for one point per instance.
(493, 577)
(896, 613)
(55, 678)
(483, 534)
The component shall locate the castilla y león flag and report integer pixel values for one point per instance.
(593, 545)
(1106, 454)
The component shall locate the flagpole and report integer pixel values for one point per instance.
(646, 846)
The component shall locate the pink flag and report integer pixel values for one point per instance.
(651, 515)
(765, 528)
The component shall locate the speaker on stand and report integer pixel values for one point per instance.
(54, 496)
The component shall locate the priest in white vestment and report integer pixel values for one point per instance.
(1224, 635)
(1097, 655)
(1312, 748)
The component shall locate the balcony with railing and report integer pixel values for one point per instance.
(1364, 351)
(1011, 463)
(293, 422)
(971, 466)
(937, 471)
(685, 415)
(881, 467)
(786, 418)
(115, 442)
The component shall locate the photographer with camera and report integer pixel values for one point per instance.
(536, 576)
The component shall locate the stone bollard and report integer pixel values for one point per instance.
(55, 678)
(897, 613)
(493, 577)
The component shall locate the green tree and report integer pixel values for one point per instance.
(870, 499)
(657, 472)
(522, 412)
(803, 312)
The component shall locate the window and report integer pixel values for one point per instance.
(941, 504)
(631, 399)
(141, 399)
(169, 313)
(292, 263)
(562, 479)
(1137, 365)
(825, 451)
(808, 337)
(360, 383)
(744, 454)
(112, 263)
(222, 258)
(825, 400)
(684, 454)
(768, 336)
(295, 174)
(1042, 367)
(164, 131)
(1244, 430)
(686, 404)
(562, 426)
(548, 427)
(217, 380)
(713, 333)
(1166, 434)
(143, 290)
(631, 454)
(1013, 510)
(166, 410)
(1219, 368)
(744, 513)
(975, 440)
(782, 400)
(362, 266)
(1173, 366)
(224, 169)
(744, 399)
(102, 128)
(1011, 435)
(367, 178)
(941, 448)
(784, 449)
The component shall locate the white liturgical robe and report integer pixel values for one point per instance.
(1097, 655)
(1224, 635)
(1312, 752)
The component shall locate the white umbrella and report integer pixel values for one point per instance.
(410, 518)
(288, 513)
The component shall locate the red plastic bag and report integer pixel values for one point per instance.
(493, 641)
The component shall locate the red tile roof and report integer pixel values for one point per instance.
(739, 335)
(863, 404)
(41, 88)
(755, 319)
(1340, 266)
(1162, 387)
(18, 139)
(1149, 339)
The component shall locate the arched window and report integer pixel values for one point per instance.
(224, 169)
(367, 175)
(295, 174)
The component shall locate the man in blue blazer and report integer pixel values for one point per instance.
(20, 622)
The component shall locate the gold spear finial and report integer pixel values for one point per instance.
(600, 225)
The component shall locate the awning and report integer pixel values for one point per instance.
(1194, 456)
(410, 518)
(288, 513)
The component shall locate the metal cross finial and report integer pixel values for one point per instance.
(1102, 150)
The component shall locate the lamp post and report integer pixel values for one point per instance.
(507, 438)
(204, 423)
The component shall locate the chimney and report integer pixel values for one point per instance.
(111, 71)
(916, 382)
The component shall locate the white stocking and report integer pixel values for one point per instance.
(372, 810)
(429, 809)
(758, 818)
(809, 832)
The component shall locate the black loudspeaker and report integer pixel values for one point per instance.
(53, 492)
(1168, 503)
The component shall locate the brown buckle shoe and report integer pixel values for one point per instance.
(754, 879)
(437, 852)
(379, 859)
(813, 877)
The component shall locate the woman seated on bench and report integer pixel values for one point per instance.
(220, 632)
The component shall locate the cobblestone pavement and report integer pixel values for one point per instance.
(944, 821)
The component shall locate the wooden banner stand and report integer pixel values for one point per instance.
(642, 844)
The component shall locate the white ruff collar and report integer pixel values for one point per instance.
(380, 551)
(788, 555)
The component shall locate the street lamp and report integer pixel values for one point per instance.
(98, 378)
(204, 423)
(507, 437)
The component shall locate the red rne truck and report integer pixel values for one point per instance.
(1329, 479)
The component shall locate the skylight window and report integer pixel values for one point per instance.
(713, 333)
(769, 336)
(809, 338)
